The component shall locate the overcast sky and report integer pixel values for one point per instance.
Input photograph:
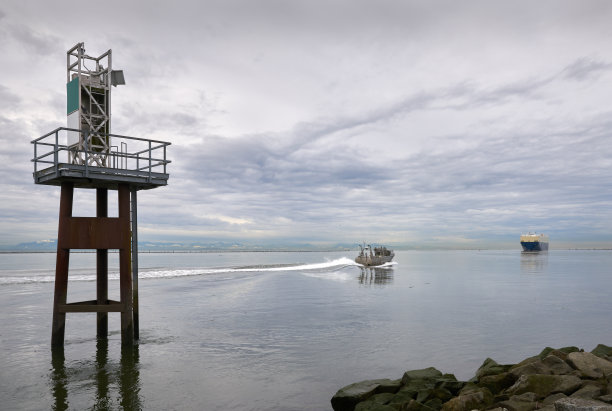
(458, 123)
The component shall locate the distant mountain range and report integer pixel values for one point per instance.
(43, 245)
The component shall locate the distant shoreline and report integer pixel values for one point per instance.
(283, 250)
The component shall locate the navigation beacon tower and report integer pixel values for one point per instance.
(86, 155)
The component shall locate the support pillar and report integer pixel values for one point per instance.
(102, 266)
(135, 262)
(100, 233)
(61, 266)
(125, 278)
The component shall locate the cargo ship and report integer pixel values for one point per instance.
(377, 256)
(534, 242)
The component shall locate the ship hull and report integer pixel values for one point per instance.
(534, 245)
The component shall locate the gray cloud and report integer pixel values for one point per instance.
(586, 68)
(8, 99)
(402, 122)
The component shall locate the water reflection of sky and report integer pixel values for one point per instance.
(296, 336)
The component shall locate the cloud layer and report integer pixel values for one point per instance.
(438, 123)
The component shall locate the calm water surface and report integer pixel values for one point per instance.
(284, 331)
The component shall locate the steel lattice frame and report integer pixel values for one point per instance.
(91, 77)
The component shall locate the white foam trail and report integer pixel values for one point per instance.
(341, 262)
(172, 273)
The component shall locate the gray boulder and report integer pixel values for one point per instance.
(590, 365)
(523, 402)
(414, 405)
(468, 399)
(368, 406)
(348, 397)
(589, 392)
(401, 399)
(499, 382)
(490, 367)
(551, 399)
(579, 404)
(425, 374)
(377, 402)
(419, 384)
(449, 382)
(551, 364)
(603, 351)
(545, 385)
(559, 352)
(556, 366)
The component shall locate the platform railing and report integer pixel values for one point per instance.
(137, 155)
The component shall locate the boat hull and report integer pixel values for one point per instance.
(373, 261)
(534, 245)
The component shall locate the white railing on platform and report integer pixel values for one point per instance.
(126, 155)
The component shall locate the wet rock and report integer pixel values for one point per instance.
(603, 351)
(540, 382)
(437, 394)
(522, 402)
(468, 400)
(414, 405)
(401, 399)
(426, 374)
(534, 366)
(348, 397)
(449, 382)
(367, 406)
(499, 382)
(551, 364)
(590, 365)
(490, 367)
(389, 386)
(377, 402)
(579, 404)
(544, 385)
(590, 391)
(434, 403)
(551, 399)
(560, 352)
(556, 366)
(525, 361)
(419, 384)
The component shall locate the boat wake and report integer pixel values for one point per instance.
(312, 269)
(385, 265)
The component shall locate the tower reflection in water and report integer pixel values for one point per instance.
(106, 376)
(375, 276)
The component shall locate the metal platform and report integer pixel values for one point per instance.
(139, 162)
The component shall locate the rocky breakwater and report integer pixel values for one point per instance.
(565, 379)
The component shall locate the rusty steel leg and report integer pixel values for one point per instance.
(135, 262)
(125, 278)
(102, 266)
(61, 266)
